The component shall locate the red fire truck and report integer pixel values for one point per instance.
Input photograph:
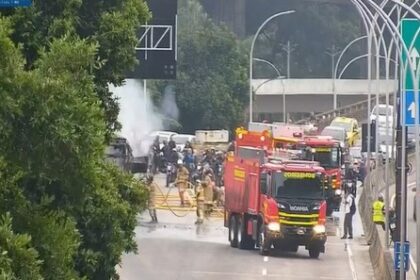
(278, 139)
(329, 153)
(274, 203)
(269, 139)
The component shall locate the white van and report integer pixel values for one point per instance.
(382, 110)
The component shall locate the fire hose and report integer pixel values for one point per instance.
(190, 191)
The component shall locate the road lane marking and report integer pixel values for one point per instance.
(347, 248)
(264, 272)
(273, 275)
(413, 264)
(266, 259)
(350, 256)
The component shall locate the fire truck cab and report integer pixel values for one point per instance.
(274, 203)
(329, 153)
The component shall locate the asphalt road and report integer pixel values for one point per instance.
(177, 249)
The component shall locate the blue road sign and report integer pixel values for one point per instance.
(15, 3)
(409, 31)
(409, 108)
(397, 251)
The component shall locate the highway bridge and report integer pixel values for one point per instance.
(318, 95)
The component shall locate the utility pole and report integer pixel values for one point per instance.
(288, 48)
(333, 52)
(401, 184)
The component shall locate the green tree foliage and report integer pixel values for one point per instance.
(312, 30)
(211, 85)
(73, 214)
(18, 259)
(109, 24)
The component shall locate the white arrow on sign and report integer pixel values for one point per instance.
(412, 110)
(414, 54)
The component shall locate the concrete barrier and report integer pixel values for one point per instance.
(380, 255)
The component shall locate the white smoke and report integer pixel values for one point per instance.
(168, 105)
(137, 115)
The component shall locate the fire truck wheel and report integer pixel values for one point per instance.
(245, 240)
(314, 253)
(233, 232)
(262, 242)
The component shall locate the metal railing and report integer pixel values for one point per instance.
(357, 110)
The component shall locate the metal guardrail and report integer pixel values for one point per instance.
(380, 256)
(357, 110)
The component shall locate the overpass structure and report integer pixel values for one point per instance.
(305, 96)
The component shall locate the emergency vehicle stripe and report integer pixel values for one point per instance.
(298, 223)
(299, 215)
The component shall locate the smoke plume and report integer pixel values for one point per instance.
(137, 115)
(168, 105)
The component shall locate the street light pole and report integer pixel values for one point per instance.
(279, 76)
(401, 135)
(270, 64)
(333, 52)
(288, 48)
(251, 54)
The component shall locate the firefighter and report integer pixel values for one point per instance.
(182, 178)
(151, 204)
(199, 192)
(208, 192)
(378, 211)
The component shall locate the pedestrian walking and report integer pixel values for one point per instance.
(349, 210)
(199, 193)
(378, 211)
(182, 179)
(151, 203)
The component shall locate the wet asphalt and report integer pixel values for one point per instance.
(176, 248)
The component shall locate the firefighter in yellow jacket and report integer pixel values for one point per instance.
(151, 203)
(208, 192)
(378, 211)
(199, 193)
(182, 181)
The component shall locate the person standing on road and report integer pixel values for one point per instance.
(208, 192)
(182, 178)
(171, 143)
(151, 203)
(378, 211)
(199, 193)
(349, 210)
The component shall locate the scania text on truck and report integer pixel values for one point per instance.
(274, 203)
